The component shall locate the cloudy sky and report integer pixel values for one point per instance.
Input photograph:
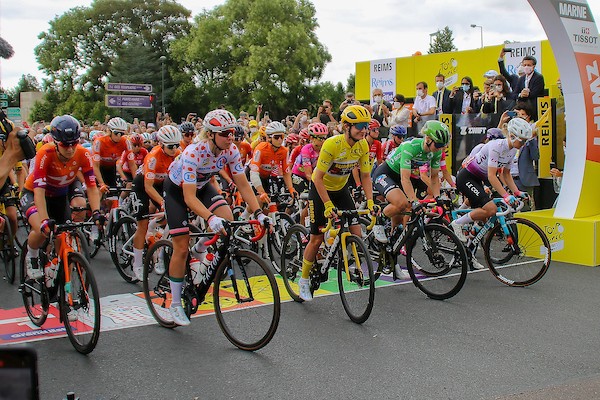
(352, 31)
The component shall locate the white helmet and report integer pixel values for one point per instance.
(117, 124)
(275, 127)
(520, 128)
(147, 137)
(219, 120)
(169, 134)
(94, 134)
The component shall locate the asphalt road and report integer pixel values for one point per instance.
(488, 342)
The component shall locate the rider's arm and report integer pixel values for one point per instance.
(225, 176)
(356, 176)
(22, 175)
(255, 170)
(39, 198)
(435, 182)
(151, 190)
(246, 191)
(367, 184)
(320, 185)
(308, 172)
(509, 181)
(189, 196)
(287, 178)
(495, 181)
(93, 195)
(96, 162)
(120, 170)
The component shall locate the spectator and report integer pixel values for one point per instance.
(442, 96)
(461, 98)
(497, 100)
(424, 106)
(381, 111)
(325, 112)
(531, 85)
(350, 100)
(400, 114)
(512, 79)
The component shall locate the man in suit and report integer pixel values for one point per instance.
(442, 96)
(531, 85)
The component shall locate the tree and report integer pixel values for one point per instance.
(248, 52)
(443, 42)
(27, 83)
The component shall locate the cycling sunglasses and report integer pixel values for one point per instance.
(172, 146)
(226, 133)
(68, 145)
(118, 133)
(277, 137)
(439, 145)
(361, 125)
(188, 134)
(318, 137)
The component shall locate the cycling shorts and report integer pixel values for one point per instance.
(472, 187)
(140, 199)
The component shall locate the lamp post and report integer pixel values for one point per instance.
(162, 90)
(431, 35)
(481, 31)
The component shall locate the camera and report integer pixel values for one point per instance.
(552, 165)
(18, 373)
(511, 114)
(507, 50)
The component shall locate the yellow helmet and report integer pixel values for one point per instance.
(355, 114)
(263, 131)
(252, 123)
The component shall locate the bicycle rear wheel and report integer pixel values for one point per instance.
(247, 303)
(520, 258)
(437, 262)
(293, 246)
(157, 290)
(282, 223)
(357, 288)
(34, 292)
(80, 304)
(121, 247)
(8, 252)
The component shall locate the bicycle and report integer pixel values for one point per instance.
(245, 294)
(69, 281)
(516, 250)
(345, 252)
(435, 258)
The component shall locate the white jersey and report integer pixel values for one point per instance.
(495, 153)
(197, 164)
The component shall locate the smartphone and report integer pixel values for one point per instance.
(552, 164)
(18, 373)
(266, 113)
(511, 114)
(507, 50)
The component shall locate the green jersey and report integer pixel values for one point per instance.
(410, 154)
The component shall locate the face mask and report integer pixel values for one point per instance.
(253, 130)
(439, 85)
(303, 119)
(396, 104)
(466, 88)
(419, 93)
(377, 99)
(528, 69)
(498, 88)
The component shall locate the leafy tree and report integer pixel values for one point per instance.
(248, 52)
(351, 83)
(443, 42)
(27, 83)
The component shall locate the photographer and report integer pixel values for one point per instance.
(350, 101)
(462, 99)
(325, 112)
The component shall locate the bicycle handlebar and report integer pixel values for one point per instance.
(261, 232)
(346, 213)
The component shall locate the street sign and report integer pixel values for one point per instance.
(3, 96)
(127, 101)
(129, 87)
(14, 114)
(3, 103)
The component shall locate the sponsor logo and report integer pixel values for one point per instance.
(473, 189)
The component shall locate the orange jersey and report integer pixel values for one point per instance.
(245, 154)
(156, 164)
(107, 152)
(269, 162)
(138, 158)
(52, 174)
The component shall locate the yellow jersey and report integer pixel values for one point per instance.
(337, 159)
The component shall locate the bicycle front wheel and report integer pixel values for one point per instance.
(8, 252)
(437, 262)
(121, 247)
(292, 255)
(247, 303)
(157, 289)
(357, 285)
(519, 258)
(282, 223)
(80, 304)
(34, 293)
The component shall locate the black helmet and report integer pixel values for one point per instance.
(239, 132)
(65, 129)
(187, 127)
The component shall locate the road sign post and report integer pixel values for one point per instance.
(129, 87)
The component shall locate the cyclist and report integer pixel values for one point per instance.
(393, 177)
(270, 161)
(187, 186)
(398, 133)
(339, 155)
(375, 149)
(107, 150)
(483, 167)
(187, 130)
(307, 160)
(148, 187)
(139, 152)
(245, 155)
(51, 184)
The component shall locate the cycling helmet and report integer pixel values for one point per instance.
(117, 124)
(262, 131)
(398, 130)
(318, 129)
(436, 131)
(169, 134)
(136, 139)
(355, 114)
(219, 120)
(252, 123)
(46, 129)
(520, 128)
(374, 124)
(93, 134)
(65, 129)
(47, 138)
(494, 133)
(187, 127)
(147, 137)
(292, 138)
(304, 134)
(275, 127)
(239, 132)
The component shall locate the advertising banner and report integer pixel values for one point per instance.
(383, 76)
(513, 59)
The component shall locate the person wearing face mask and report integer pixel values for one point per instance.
(442, 96)
(381, 111)
(531, 85)
(301, 122)
(424, 106)
(400, 114)
(498, 100)
(512, 79)
(461, 98)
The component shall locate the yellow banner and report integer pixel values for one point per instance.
(545, 134)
